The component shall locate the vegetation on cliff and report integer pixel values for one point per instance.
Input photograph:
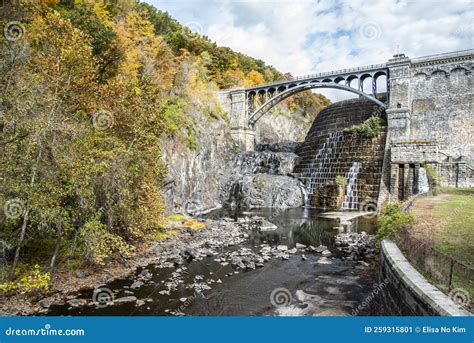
(88, 92)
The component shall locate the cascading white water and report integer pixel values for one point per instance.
(305, 194)
(351, 198)
(321, 168)
(423, 186)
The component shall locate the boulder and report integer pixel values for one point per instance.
(136, 284)
(127, 299)
(265, 225)
(264, 190)
(77, 302)
(45, 303)
(321, 248)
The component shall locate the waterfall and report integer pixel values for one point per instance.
(235, 194)
(423, 186)
(351, 198)
(321, 168)
(305, 194)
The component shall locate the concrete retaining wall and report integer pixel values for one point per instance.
(407, 292)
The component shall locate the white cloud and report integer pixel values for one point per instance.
(303, 36)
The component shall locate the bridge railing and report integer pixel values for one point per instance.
(443, 55)
(322, 74)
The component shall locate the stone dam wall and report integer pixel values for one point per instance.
(329, 152)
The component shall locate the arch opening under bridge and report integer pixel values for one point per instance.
(364, 82)
(269, 98)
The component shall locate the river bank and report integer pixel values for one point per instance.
(231, 266)
(234, 266)
(67, 281)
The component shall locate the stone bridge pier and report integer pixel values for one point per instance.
(234, 102)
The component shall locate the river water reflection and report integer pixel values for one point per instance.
(317, 286)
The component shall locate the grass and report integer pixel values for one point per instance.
(446, 222)
(174, 224)
(456, 236)
(165, 234)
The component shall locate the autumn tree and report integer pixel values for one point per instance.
(253, 78)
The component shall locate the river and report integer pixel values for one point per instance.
(305, 283)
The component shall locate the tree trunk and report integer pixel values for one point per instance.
(25, 220)
(56, 249)
(20, 242)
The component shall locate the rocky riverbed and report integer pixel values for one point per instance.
(198, 269)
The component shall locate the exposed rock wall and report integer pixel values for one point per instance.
(209, 176)
(264, 190)
(282, 125)
(197, 178)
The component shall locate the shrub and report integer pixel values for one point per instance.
(32, 280)
(392, 219)
(101, 244)
(341, 180)
(369, 128)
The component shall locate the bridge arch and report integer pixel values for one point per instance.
(272, 102)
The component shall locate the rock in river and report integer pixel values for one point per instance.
(77, 302)
(127, 299)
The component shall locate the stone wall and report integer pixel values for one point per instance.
(442, 99)
(430, 119)
(328, 152)
(407, 157)
(456, 174)
(406, 292)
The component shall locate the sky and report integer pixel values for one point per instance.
(309, 36)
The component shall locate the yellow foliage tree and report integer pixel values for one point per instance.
(146, 56)
(253, 78)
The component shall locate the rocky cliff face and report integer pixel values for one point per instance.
(263, 178)
(217, 174)
(196, 178)
(280, 124)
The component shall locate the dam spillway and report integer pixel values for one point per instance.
(330, 151)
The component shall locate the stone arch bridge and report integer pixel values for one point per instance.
(399, 76)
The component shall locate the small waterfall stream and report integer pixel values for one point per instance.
(322, 167)
(351, 198)
(423, 186)
(305, 195)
